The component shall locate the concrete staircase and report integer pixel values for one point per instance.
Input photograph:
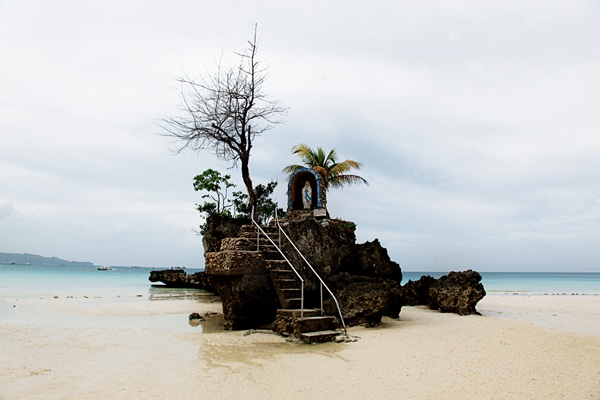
(308, 325)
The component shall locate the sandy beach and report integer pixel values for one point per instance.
(522, 347)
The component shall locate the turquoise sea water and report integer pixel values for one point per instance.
(47, 281)
(124, 282)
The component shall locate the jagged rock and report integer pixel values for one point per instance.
(331, 249)
(371, 259)
(195, 317)
(364, 300)
(457, 292)
(178, 278)
(362, 275)
(170, 277)
(219, 227)
(415, 293)
(328, 247)
(249, 301)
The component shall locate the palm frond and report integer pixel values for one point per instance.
(332, 172)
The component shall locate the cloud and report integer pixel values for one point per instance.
(6, 208)
(476, 123)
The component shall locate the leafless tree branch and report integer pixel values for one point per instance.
(225, 111)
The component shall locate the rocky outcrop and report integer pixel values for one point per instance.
(457, 292)
(219, 227)
(249, 300)
(178, 278)
(362, 276)
(416, 293)
(364, 300)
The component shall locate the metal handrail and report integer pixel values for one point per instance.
(260, 230)
(314, 272)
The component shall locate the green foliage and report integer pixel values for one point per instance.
(343, 226)
(333, 173)
(216, 186)
(265, 205)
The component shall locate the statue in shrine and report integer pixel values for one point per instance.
(307, 196)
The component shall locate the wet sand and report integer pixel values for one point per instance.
(522, 347)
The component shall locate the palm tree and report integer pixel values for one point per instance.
(333, 173)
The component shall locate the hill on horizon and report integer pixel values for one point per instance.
(34, 259)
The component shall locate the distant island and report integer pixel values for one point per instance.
(33, 259)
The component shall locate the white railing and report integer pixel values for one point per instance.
(258, 232)
(323, 285)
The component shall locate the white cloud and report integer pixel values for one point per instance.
(6, 208)
(476, 123)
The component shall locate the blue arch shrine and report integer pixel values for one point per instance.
(296, 184)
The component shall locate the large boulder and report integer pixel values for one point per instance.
(457, 292)
(416, 293)
(372, 259)
(249, 301)
(179, 278)
(361, 276)
(219, 227)
(364, 300)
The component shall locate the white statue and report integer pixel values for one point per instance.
(307, 196)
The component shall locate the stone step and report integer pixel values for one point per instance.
(289, 293)
(272, 254)
(278, 265)
(291, 303)
(286, 283)
(283, 274)
(314, 324)
(318, 336)
(248, 231)
(249, 244)
(297, 313)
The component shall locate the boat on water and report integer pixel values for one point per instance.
(105, 268)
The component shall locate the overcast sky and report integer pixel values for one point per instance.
(476, 121)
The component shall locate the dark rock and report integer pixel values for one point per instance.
(457, 292)
(170, 277)
(178, 278)
(362, 276)
(415, 293)
(364, 300)
(371, 259)
(195, 316)
(330, 247)
(249, 301)
(195, 319)
(219, 227)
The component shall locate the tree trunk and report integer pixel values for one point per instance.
(249, 188)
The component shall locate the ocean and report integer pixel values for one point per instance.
(130, 283)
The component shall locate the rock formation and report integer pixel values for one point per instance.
(457, 292)
(178, 278)
(240, 267)
(362, 276)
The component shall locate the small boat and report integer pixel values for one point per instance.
(104, 268)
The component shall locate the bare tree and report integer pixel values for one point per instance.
(224, 112)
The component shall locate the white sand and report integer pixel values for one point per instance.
(147, 350)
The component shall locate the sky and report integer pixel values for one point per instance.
(476, 123)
